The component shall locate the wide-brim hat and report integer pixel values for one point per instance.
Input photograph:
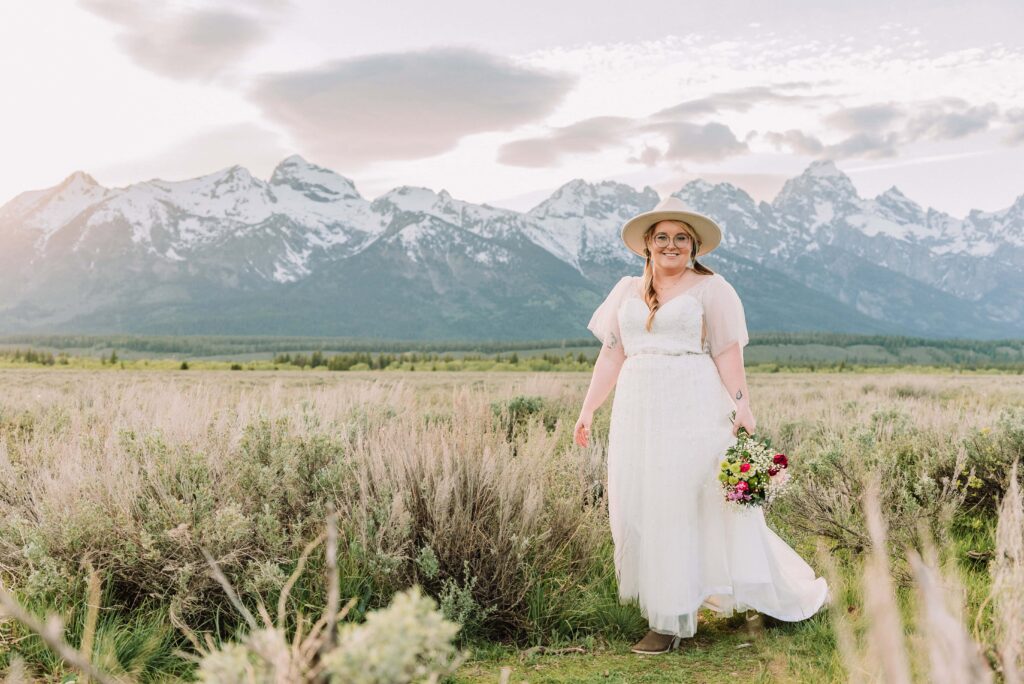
(673, 208)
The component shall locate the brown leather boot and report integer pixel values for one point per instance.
(655, 642)
(755, 624)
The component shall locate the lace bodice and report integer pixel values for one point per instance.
(706, 318)
(676, 328)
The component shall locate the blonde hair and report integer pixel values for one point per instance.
(650, 296)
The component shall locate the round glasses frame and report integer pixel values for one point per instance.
(662, 240)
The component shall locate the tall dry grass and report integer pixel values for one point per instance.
(929, 639)
(139, 476)
(466, 484)
(1007, 569)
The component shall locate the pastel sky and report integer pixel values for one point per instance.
(504, 102)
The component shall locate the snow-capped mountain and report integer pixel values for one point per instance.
(305, 253)
(580, 222)
(887, 256)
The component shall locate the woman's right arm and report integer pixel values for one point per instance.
(606, 372)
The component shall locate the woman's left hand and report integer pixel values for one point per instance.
(744, 418)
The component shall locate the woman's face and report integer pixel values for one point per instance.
(670, 246)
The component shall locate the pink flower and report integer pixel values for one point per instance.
(742, 486)
(744, 467)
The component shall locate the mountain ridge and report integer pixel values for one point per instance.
(78, 253)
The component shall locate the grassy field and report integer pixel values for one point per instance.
(468, 485)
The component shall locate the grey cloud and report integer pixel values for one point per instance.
(117, 11)
(941, 118)
(880, 129)
(867, 118)
(801, 85)
(935, 124)
(185, 42)
(795, 140)
(588, 135)
(1015, 117)
(741, 100)
(697, 142)
(686, 140)
(863, 146)
(405, 105)
(649, 156)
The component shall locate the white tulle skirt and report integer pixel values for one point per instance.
(679, 545)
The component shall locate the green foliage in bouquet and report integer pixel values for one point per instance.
(752, 473)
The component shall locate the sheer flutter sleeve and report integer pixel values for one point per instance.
(724, 317)
(605, 321)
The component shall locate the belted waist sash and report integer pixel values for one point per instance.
(681, 353)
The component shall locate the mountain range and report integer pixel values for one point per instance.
(304, 253)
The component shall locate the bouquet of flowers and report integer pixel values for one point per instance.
(752, 473)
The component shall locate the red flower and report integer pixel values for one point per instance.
(780, 459)
(772, 471)
(742, 486)
(744, 467)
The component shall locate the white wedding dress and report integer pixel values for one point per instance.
(679, 545)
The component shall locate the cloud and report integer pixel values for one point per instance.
(864, 146)
(405, 105)
(1015, 117)
(740, 100)
(685, 139)
(697, 142)
(867, 118)
(795, 140)
(588, 135)
(879, 130)
(648, 156)
(859, 145)
(949, 119)
(185, 43)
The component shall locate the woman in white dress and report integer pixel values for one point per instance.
(673, 349)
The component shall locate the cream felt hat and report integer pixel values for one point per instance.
(708, 232)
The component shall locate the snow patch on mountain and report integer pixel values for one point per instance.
(306, 215)
(312, 181)
(293, 265)
(47, 211)
(583, 221)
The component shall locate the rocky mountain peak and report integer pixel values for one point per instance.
(700, 191)
(408, 198)
(79, 179)
(578, 198)
(822, 176)
(900, 205)
(315, 182)
(818, 195)
(49, 209)
(823, 168)
(230, 234)
(697, 185)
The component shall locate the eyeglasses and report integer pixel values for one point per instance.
(662, 240)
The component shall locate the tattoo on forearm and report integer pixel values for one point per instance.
(612, 340)
(739, 394)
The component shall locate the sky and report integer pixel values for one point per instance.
(505, 102)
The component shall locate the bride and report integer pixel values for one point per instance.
(672, 348)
